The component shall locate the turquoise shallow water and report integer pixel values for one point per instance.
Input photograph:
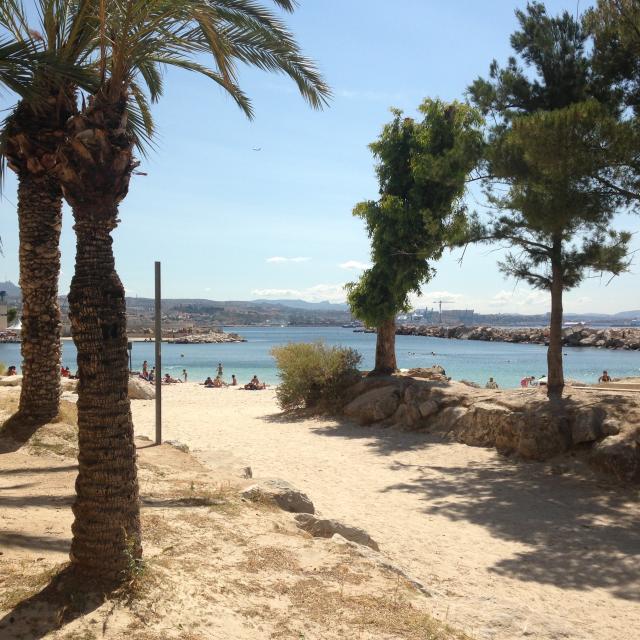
(462, 359)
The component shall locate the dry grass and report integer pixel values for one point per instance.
(392, 613)
(18, 584)
(270, 559)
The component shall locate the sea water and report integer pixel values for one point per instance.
(462, 359)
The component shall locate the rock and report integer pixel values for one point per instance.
(479, 426)
(321, 528)
(286, 496)
(617, 455)
(67, 384)
(541, 436)
(246, 472)
(586, 425)
(176, 444)
(446, 420)
(10, 381)
(436, 372)
(428, 408)
(610, 427)
(140, 389)
(374, 405)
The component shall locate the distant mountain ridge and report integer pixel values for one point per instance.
(13, 292)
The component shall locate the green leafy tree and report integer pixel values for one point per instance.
(422, 169)
(543, 164)
(12, 314)
(615, 27)
(137, 40)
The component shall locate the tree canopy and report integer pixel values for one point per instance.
(422, 169)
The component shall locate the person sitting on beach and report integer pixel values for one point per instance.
(12, 371)
(524, 383)
(492, 384)
(533, 382)
(208, 382)
(218, 383)
(605, 377)
(234, 382)
(169, 380)
(64, 372)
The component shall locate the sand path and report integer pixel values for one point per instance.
(508, 550)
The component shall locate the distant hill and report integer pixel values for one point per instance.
(303, 304)
(13, 291)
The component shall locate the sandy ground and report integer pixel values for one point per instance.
(509, 550)
(216, 567)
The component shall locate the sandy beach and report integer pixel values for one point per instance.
(507, 549)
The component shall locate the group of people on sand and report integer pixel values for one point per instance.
(150, 375)
(532, 381)
(218, 382)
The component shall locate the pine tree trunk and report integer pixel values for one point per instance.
(555, 374)
(40, 222)
(106, 531)
(386, 348)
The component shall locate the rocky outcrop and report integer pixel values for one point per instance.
(514, 422)
(281, 493)
(140, 389)
(618, 456)
(213, 337)
(325, 528)
(578, 336)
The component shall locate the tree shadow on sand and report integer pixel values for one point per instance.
(580, 535)
(65, 598)
(17, 430)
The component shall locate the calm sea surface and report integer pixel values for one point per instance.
(462, 359)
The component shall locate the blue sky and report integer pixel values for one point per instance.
(228, 222)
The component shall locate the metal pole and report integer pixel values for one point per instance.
(158, 345)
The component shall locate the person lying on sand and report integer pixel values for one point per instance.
(255, 385)
(169, 380)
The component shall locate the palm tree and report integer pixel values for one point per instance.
(138, 39)
(30, 140)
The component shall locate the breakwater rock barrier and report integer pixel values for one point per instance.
(576, 336)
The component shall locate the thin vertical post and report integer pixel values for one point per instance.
(158, 346)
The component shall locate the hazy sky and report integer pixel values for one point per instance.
(228, 222)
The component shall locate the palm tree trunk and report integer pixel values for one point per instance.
(555, 374)
(40, 222)
(106, 531)
(386, 348)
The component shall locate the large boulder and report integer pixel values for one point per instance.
(539, 436)
(140, 389)
(375, 405)
(619, 456)
(323, 528)
(10, 381)
(445, 420)
(436, 372)
(586, 425)
(281, 493)
(480, 425)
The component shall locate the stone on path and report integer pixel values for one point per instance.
(285, 495)
(324, 528)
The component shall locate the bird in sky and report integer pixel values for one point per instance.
(257, 148)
